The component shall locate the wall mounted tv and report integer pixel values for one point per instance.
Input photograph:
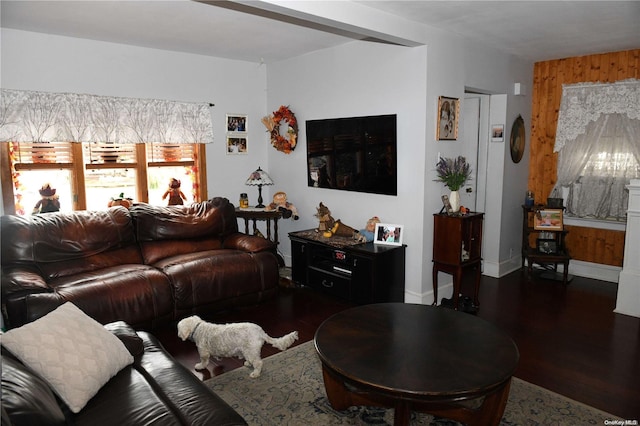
(353, 154)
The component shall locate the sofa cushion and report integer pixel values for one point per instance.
(219, 279)
(169, 231)
(71, 351)
(68, 243)
(215, 217)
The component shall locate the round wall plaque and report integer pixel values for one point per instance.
(517, 139)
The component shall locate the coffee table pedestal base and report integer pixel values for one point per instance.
(342, 395)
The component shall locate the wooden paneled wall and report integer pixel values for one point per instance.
(587, 244)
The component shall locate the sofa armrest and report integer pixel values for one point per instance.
(127, 335)
(248, 243)
(22, 280)
(18, 283)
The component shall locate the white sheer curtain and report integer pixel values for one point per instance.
(598, 140)
(27, 116)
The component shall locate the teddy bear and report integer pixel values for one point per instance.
(175, 195)
(49, 201)
(326, 221)
(330, 227)
(281, 204)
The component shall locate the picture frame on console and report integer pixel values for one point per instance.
(448, 113)
(388, 234)
(548, 220)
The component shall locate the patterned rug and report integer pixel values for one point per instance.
(290, 391)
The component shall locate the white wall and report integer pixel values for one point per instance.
(35, 61)
(363, 78)
(356, 79)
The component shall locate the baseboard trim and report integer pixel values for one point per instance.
(578, 268)
(596, 271)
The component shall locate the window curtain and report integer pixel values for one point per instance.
(598, 141)
(27, 116)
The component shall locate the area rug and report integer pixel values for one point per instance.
(290, 391)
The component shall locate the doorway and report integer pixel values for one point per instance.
(475, 119)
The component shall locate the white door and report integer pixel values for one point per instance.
(475, 131)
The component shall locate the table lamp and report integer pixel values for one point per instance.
(259, 178)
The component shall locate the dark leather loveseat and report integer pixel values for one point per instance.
(145, 266)
(154, 390)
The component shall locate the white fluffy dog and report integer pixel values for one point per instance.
(243, 340)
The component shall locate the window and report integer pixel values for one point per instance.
(598, 150)
(599, 190)
(102, 171)
(99, 148)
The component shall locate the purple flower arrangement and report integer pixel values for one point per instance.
(453, 172)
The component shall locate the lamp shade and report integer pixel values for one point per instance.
(259, 178)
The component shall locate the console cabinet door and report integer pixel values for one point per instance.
(362, 280)
(300, 262)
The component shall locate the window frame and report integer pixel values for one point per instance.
(78, 169)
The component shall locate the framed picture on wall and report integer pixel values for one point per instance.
(448, 116)
(497, 132)
(236, 123)
(388, 234)
(236, 144)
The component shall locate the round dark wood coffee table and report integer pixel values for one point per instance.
(417, 358)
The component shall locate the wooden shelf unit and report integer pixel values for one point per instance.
(457, 244)
(532, 255)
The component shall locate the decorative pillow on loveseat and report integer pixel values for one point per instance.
(74, 353)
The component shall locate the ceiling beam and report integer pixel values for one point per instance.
(345, 18)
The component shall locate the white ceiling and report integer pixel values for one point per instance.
(269, 31)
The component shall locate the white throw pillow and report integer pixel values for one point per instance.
(71, 351)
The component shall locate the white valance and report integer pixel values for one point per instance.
(584, 103)
(27, 116)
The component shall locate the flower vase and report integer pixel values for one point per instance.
(454, 200)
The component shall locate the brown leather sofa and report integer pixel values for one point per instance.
(145, 266)
(154, 390)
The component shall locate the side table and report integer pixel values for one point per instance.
(255, 214)
(457, 244)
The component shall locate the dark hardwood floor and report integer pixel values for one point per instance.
(569, 339)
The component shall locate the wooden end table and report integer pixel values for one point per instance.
(255, 214)
(417, 358)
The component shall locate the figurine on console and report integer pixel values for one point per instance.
(330, 227)
(325, 219)
(368, 231)
(281, 204)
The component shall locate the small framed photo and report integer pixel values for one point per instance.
(236, 145)
(547, 246)
(497, 133)
(548, 220)
(236, 123)
(448, 116)
(388, 234)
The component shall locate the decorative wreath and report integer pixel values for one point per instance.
(272, 123)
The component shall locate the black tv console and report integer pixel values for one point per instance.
(359, 272)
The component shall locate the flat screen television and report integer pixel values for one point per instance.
(353, 154)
